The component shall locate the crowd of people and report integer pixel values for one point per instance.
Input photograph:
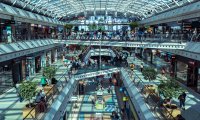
(140, 35)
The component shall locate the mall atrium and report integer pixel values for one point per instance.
(99, 59)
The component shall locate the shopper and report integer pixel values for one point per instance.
(141, 67)
(43, 81)
(163, 71)
(182, 98)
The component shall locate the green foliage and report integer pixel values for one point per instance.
(133, 25)
(92, 27)
(68, 26)
(170, 89)
(27, 90)
(102, 28)
(49, 72)
(149, 73)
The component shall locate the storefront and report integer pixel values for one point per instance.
(22, 31)
(37, 64)
(6, 30)
(187, 71)
(6, 74)
(17, 71)
(30, 67)
(48, 58)
(181, 71)
(43, 60)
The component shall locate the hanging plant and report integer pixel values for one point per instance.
(27, 91)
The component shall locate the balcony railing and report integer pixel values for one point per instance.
(172, 37)
(51, 95)
(152, 99)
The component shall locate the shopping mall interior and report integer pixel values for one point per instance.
(99, 59)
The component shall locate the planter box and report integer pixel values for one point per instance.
(26, 111)
(49, 89)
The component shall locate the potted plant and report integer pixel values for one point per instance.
(149, 73)
(49, 72)
(27, 91)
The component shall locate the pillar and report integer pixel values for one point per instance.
(43, 60)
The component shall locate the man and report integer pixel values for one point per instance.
(141, 67)
(182, 98)
(43, 81)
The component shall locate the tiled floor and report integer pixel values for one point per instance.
(87, 111)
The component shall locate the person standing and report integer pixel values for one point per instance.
(43, 81)
(182, 98)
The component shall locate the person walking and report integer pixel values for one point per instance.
(182, 98)
(141, 67)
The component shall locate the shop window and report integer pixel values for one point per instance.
(182, 70)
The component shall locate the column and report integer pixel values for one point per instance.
(56, 55)
(43, 60)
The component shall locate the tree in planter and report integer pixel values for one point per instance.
(170, 89)
(133, 25)
(49, 72)
(27, 90)
(149, 73)
(68, 27)
(92, 27)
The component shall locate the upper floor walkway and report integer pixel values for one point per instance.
(25, 46)
(118, 43)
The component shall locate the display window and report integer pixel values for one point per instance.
(182, 71)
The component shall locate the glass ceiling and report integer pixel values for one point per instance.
(63, 8)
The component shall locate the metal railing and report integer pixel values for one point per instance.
(151, 98)
(172, 37)
(167, 37)
(51, 94)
